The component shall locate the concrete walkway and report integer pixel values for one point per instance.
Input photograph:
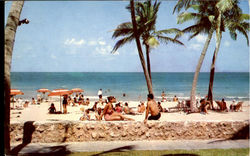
(43, 148)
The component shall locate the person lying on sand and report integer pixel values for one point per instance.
(128, 110)
(110, 115)
(160, 107)
(152, 108)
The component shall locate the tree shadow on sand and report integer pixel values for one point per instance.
(28, 129)
(243, 133)
(181, 154)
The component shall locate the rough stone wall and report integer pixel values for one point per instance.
(71, 131)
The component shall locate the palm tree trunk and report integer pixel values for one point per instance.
(148, 62)
(197, 71)
(10, 32)
(149, 85)
(212, 69)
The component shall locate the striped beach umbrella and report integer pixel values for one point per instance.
(14, 92)
(60, 92)
(43, 90)
(77, 90)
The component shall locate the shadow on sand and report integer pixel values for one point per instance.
(119, 149)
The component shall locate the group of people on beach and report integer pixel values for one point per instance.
(111, 113)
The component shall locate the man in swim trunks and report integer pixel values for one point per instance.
(153, 108)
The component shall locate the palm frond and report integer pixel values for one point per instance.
(121, 42)
(187, 16)
(166, 40)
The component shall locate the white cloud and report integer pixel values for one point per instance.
(102, 42)
(105, 50)
(227, 43)
(74, 42)
(195, 46)
(200, 38)
(91, 43)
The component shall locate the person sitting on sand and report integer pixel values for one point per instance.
(152, 108)
(118, 108)
(139, 108)
(143, 108)
(110, 115)
(33, 101)
(204, 105)
(85, 115)
(233, 105)
(87, 102)
(52, 109)
(175, 99)
(98, 113)
(128, 110)
(224, 105)
(163, 97)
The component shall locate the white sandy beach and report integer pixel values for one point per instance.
(40, 113)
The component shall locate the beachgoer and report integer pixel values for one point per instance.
(87, 102)
(118, 108)
(52, 109)
(85, 115)
(33, 101)
(160, 107)
(204, 104)
(152, 108)
(143, 108)
(224, 105)
(65, 103)
(128, 110)
(98, 113)
(175, 99)
(163, 97)
(110, 115)
(94, 108)
(233, 105)
(99, 93)
(139, 108)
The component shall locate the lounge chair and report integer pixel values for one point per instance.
(237, 107)
(181, 106)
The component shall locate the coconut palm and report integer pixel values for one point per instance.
(137, 38)
(204, 24)
(230, 17)
(9, 34)
(146, 15)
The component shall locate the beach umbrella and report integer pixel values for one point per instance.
(14, 92)
(60, 92)
(43, 90)
(77, 90)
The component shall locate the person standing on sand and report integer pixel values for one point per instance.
(100, 95)
(153, 108)
(65, 103)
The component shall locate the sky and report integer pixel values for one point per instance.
(76, 36)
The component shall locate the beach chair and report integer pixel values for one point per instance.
(237, 107)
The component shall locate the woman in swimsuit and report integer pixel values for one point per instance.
(110, 115)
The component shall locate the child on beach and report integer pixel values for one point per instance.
(52, 109)
(98, 113)
(85, 115)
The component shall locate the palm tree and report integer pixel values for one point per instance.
(10, 32)
(137, 38)
(203, 24)
(146, 15)
(230, 17)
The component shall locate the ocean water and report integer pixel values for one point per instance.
(226, 85)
